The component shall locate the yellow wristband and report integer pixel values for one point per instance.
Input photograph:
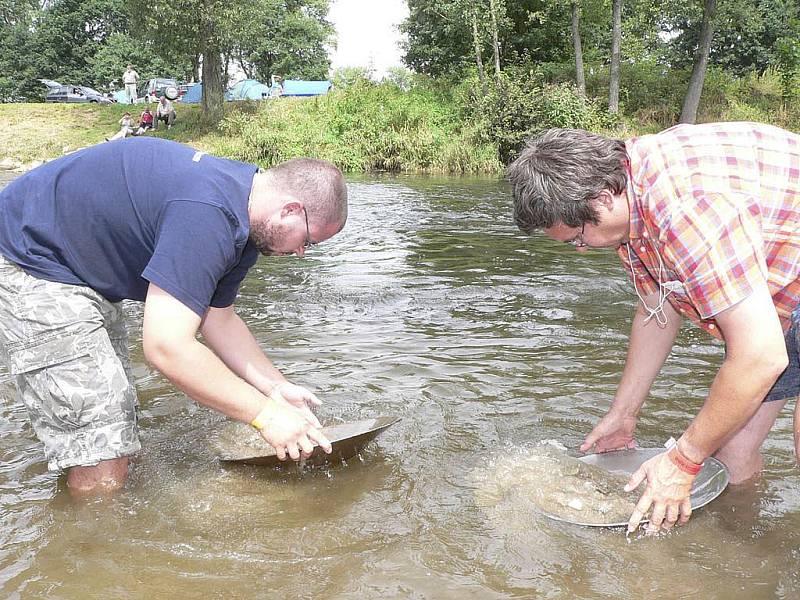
(262, 418)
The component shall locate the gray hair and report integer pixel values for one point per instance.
(318, 184)
(559, 172)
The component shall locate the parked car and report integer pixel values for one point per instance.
(58, 92)
(153, 89)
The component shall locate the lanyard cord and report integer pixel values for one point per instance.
(663, 291)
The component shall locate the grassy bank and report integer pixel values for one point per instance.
(431, 128)
(364, 128)
(37, 132)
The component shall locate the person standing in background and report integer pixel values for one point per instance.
(130, 78)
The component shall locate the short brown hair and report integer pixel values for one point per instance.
(318, 184)
(559, 172)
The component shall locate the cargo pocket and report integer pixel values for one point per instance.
(75, 382)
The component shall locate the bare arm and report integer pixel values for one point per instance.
(648, 348)
(170, 345)
(231, 340)
(755, 357)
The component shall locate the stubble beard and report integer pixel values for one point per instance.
(261, 236)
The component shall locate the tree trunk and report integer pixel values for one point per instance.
(212, 77)
(196, 68)
(478, 55)
(580, 78)
(213, 94)
(692, 100)
(616, 35)
(226, 61)
(495, 42)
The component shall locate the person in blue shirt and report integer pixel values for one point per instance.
(82, 233)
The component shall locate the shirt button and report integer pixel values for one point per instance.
(644, 235)
(710, 326)
(642, 249)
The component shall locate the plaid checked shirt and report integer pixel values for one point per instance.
(720, 205)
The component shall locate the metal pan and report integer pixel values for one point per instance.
(710, 482)
(347, 440)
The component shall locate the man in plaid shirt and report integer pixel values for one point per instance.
(705, 220)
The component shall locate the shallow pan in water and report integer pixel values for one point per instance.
(710, 482)
(347, 440)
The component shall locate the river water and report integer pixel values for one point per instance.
(431, 306)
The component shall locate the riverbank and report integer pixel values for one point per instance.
(365, 127)
(360, 130)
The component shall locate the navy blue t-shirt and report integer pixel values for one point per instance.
(121, 214)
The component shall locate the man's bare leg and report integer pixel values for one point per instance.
(741, 452)
(105, 476)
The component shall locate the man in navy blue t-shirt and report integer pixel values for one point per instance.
(155, 221)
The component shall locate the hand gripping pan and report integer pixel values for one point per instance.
(709, 483)
(347, 440)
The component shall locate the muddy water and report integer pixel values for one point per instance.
(432, 307)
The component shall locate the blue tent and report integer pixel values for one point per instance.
(121, 97)
(248, 89)
(297, 87)
(193, 95)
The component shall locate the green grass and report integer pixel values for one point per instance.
(37, 132)
(367, 127)
(373, 128)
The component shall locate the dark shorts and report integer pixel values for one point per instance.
(788, 384)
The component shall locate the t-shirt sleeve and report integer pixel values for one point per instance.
(228, 287)
(715, 243)
(194, 249)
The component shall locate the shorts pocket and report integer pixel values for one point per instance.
(49, 352)
(77, 385)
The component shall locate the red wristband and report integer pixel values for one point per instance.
(683, 463)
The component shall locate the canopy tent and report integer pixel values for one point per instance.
(121, 97)
(298, 87)
(248, 89)
(193, 95)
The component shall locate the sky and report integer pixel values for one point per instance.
(367, 33)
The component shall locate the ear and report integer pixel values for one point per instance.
(291, 207)
(605, 200)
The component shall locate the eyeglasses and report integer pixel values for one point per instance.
(308, 243)
(577, 241)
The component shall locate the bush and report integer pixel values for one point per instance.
(361, 126)
(519, 107)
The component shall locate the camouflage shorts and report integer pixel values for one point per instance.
(67, 348)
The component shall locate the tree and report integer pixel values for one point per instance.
(283, 38)
(200, 28)
(17, 82)
(580, 78)
(107, 64)
(437, 41)
(692, 99)
(493, 10)
(787, 59)
(616, 36)
(69, 33)
(440, 37)
(476, 38)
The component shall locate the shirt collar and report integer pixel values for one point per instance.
(637, 224)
